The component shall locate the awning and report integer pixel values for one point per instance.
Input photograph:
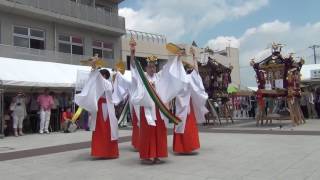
(26, 73)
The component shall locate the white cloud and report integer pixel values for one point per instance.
(255, 41)
(141, 21)
(177, 20)
(274, 27)
(295, 38)
(222, 42)
(267, 28)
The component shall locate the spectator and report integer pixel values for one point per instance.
(66, 117)
(7, 123)
(63, 101)
(19, 113)
(33, 112)
(55, 114)
(83, 120)
(253, 105)
(317, 102)
(304, 104)
(311, 106)
(45, 101)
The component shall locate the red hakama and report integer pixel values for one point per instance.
(153, 139)
(135, 131)
(102, 146)
(189, 140)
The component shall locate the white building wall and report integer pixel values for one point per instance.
(231, 58)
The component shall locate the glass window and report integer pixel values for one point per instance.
(97, 51)
(107, 46)
(71, 44)
(97, 43)
(77, 50)
(108, 54)
(37, 33)
(28, 37)
(65, 48)
(20, 41)
(36, 44)
(21, 30)
(77, 40)
(103, 49)
(64, 38)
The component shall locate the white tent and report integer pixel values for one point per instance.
(27, 73)
(252, 88)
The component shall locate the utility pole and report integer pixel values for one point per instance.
(314, 52)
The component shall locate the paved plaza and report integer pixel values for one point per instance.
(233, 152)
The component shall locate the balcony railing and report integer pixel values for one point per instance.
(40, 55)
(76, 10)
(144, 36)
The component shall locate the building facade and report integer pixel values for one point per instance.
(154, 44)
(147, 44)
(63, 31)
(227, 57)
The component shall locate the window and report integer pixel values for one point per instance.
(103, 49)
(28, 37)
(70, 44)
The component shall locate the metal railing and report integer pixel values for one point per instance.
(76, 10)
(145, 36)
(40, 55)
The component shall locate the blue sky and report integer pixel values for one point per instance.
(296, 11)
(250, 24)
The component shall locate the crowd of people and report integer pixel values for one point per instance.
(246, 106)
(243, 106)
(35, 112)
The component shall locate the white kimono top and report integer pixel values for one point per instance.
(122, 89)
(193, 91)
(97, 86)
(168, 83)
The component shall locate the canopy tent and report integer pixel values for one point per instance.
(28, 73)
(18, 72)
(253, 88)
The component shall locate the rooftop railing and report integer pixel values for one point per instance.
(76, 10)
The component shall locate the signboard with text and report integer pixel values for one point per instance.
(315, 74)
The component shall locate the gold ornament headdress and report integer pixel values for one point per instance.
(152, 59)
(120, 66)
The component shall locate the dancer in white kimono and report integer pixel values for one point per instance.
(96, 98)
(123, 91)
(153, 132)
(191, 109)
